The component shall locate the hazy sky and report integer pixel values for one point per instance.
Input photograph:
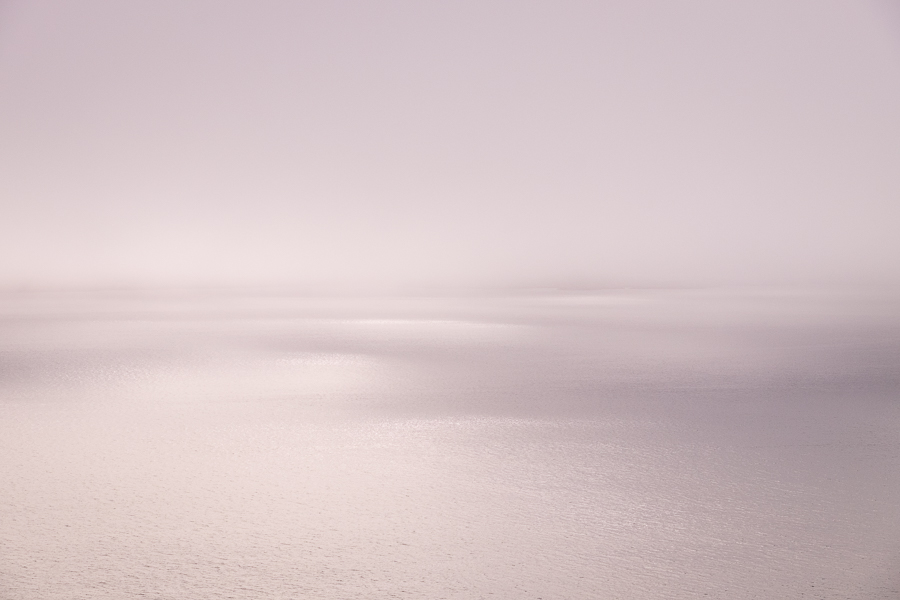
(465, 142)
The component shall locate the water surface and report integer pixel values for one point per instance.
(623, 444)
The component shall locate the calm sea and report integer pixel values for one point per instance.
(624, 444)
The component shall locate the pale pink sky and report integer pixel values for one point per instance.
(450, 143)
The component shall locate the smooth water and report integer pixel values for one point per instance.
(629, 444)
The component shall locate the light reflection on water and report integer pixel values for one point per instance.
(643, 446)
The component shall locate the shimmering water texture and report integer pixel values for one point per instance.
(653, 444)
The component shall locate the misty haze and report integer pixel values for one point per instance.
(466, 300)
